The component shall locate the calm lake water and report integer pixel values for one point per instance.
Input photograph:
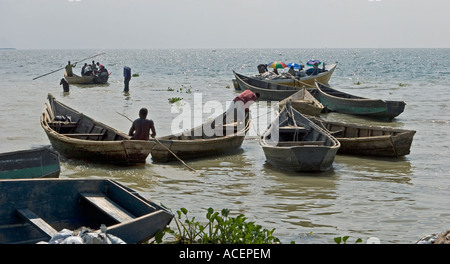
(396, 200)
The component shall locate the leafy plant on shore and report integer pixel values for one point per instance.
(220, 229)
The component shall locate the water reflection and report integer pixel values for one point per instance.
(397, 170)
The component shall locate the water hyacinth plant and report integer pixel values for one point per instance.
(219, 229)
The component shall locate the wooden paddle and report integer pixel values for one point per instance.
(157, 141)
(65, 66)
(298, 81)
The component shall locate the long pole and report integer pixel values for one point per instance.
(157, 141)
(65, 67)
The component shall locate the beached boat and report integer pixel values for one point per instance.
(303, 102)
(214, 137)
(294, 142)
(266, 90)
(289, 80)
(338, 101)
(368, 140)
(101, 78)
(40, 162)
(77, 136)
(34, 210)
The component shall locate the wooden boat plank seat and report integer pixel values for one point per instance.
(108, 206)
(37, 222)
(62, 124)
(85, 135)
(291, 129)
(300, 143)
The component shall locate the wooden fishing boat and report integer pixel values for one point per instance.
(266, 90)
(34, 210)
(289, 80)
(214, 137)
(40, 162)
(77, 136)
(358, 139)
(338, 101)
(303, 102)
(101, 78)
(294, 142)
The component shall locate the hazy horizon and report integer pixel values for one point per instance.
(178, 24)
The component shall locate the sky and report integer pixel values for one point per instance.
(148, 24)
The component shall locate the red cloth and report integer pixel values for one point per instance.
(246, 96)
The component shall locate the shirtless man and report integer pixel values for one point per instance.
(141, 127)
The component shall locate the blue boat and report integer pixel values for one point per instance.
(40, 162)
(35, 210)
(337, 101)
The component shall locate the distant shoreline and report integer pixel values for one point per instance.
(7, 48)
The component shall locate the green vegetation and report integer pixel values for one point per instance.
(135, 75)
(180, 90)
(343, 240)
(220, 229)
(174, 99)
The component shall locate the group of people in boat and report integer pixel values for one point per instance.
(301, 72)
(87, 70)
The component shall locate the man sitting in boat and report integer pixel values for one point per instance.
(140, 129)
(87, 70)
(102, 69)
(262, 68)
(69, 68)
(291, 71)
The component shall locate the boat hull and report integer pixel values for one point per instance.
(76, 79)
(187, 146)
(304, 102)
(266, 90)
(87, 139)
(308, 81)
(293, 142)
(34, 163)
(337, 101)
(62, 204)
(366, 140)
(305, 158)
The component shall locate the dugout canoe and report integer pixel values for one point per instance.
(77, 136)
(217, 136)
(266, 90)
(294, 142)
(42, 162)
(303, 102)
(338, 101)
(289, 80)
(368, 140)
(101, 78)
(34, 210)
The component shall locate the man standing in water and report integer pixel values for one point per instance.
(127, 78)
(69, 68)
(141, 127)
